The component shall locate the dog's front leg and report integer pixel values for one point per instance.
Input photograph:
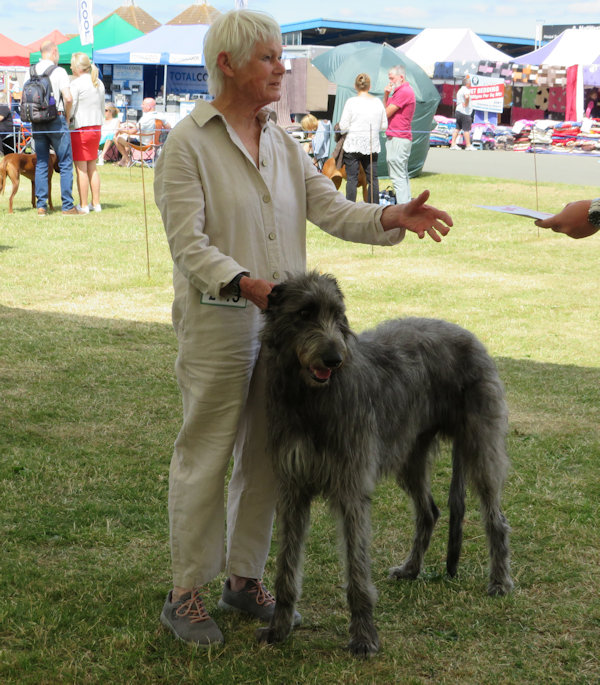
(355, 513)
(293, 515)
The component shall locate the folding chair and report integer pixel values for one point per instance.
(150, 145)
(24, 139)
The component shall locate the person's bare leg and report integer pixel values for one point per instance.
(94, 179)
(82, 183)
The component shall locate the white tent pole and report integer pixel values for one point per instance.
(165, 90)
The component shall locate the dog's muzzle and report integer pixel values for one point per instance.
(333, 360)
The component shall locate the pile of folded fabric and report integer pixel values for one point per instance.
(564, 135)
(588, 139)
(483, 135)
(525, 135)
(504, 138)
(541, 135)
(521, 131)
(442, 133)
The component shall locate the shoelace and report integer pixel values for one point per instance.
(263, 596)
(193, 608)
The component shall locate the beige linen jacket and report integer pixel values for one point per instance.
(223, 215)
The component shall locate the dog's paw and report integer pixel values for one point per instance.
(404, 572)
(268, 636)
(499, 588)
(364, 648)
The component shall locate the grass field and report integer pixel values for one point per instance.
(89, 410)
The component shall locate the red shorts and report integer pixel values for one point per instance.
(85, 142)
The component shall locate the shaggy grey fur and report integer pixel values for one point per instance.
(347, 409)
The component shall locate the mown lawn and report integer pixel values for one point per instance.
(89, 410)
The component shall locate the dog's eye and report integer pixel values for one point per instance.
(304, 313)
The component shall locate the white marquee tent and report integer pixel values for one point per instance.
(449, 45)
(573, 46)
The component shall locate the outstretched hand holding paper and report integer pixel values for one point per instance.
(573, 220)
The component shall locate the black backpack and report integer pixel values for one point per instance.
(38, 105)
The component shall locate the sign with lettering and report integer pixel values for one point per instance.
(131, 72)
(183, 79)
(487, 93)
(85, 21)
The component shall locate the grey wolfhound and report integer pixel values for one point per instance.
(347, 409)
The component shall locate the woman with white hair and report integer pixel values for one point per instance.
(235, 192)
(87, 117)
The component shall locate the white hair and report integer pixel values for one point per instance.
(399, 70)
(237, 33)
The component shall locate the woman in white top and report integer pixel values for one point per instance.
(108, 131)
(362, 120)
(87, 116)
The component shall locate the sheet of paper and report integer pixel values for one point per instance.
(520, 211)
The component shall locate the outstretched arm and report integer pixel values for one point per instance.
(417, 217)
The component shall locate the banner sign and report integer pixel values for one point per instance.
(551, 31)
(133, 72)
(144, 57)
(184, 80)
(85, 21)
(487, 93)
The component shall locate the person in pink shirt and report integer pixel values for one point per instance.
(399, 102)
(593, 106)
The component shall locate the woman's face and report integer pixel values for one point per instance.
(259, 80)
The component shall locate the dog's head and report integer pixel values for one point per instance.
(306, 327)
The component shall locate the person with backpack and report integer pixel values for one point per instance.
(53, 131)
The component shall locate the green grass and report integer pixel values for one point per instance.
(89, 410)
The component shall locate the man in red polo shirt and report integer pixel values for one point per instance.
(399, 102)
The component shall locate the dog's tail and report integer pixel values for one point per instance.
(456, 506)
(479, 458)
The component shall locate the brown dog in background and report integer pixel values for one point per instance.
(336, 175)
(17, 164)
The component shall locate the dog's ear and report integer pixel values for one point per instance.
(276, 295)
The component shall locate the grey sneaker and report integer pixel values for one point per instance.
(254, 599)
(188, 620)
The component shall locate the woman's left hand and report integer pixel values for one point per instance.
(417, 217)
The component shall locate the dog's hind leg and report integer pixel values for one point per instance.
(487, 471)
(361, 594)
(415, 480)
(456, 505)
(497, 529)
(14, 178)
(293, 518)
